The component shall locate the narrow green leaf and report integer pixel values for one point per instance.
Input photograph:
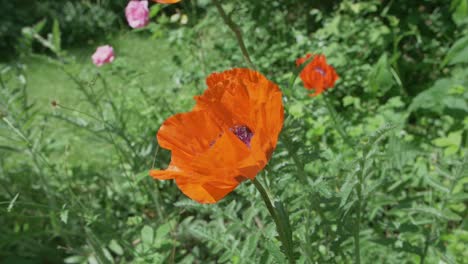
(39, 26)
(445, 215)
(56, 36)
(347, 188)
(12, 203)
(458, 53)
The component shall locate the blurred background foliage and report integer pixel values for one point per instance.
(74, 184)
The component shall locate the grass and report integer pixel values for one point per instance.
(47, 81)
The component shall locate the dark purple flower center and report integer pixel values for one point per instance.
(320, 70)
(243, 133)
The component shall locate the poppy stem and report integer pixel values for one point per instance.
(237, 32)
(281, 220)
(357, 230)
(334, 115)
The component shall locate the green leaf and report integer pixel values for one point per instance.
(275, 251)
(444, 215)
(451, 143)
(39, 26)
(75, 259)
(56, 36)
(115, 247)
(164, 230)
(436, 184)
(435, 98)
(458, 53)
(147, 235)
(347, 188)
(154, 10)
(381, 78)
(460, 11)
(64, 215)
(12, 203)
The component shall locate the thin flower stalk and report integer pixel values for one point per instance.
(284, 237)
(237, 32)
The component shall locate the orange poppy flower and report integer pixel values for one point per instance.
(167, 1)
(317, 75)
(228, 137)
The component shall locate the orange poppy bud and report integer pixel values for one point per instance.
(317, 75)
(228, 137)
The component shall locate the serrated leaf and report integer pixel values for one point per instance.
(250, 245)
(436, 184)
(275, 251)
(445, 215)
(347, 188)
(225, 257)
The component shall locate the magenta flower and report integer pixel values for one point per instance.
(137, 13)
(103, 55)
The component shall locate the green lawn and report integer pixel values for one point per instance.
(151, 57)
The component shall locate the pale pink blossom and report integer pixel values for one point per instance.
(103, 55)
(137, 13)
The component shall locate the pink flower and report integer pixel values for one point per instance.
(103, 55)
(137, 13)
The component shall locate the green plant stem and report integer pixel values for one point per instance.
(357, 229)
(279, 225)
(237, 32)
(334, 115)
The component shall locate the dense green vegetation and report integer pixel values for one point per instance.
(77, 141)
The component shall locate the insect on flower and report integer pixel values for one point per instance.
(317, 75)
(227, 138)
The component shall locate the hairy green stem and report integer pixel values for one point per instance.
(237, 32)
(279, 224)
(357, 231)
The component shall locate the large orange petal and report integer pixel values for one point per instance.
(252, 100)
(171, 172)
(189, 133)
(203, 192)
(226, 98)
(225, 159)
